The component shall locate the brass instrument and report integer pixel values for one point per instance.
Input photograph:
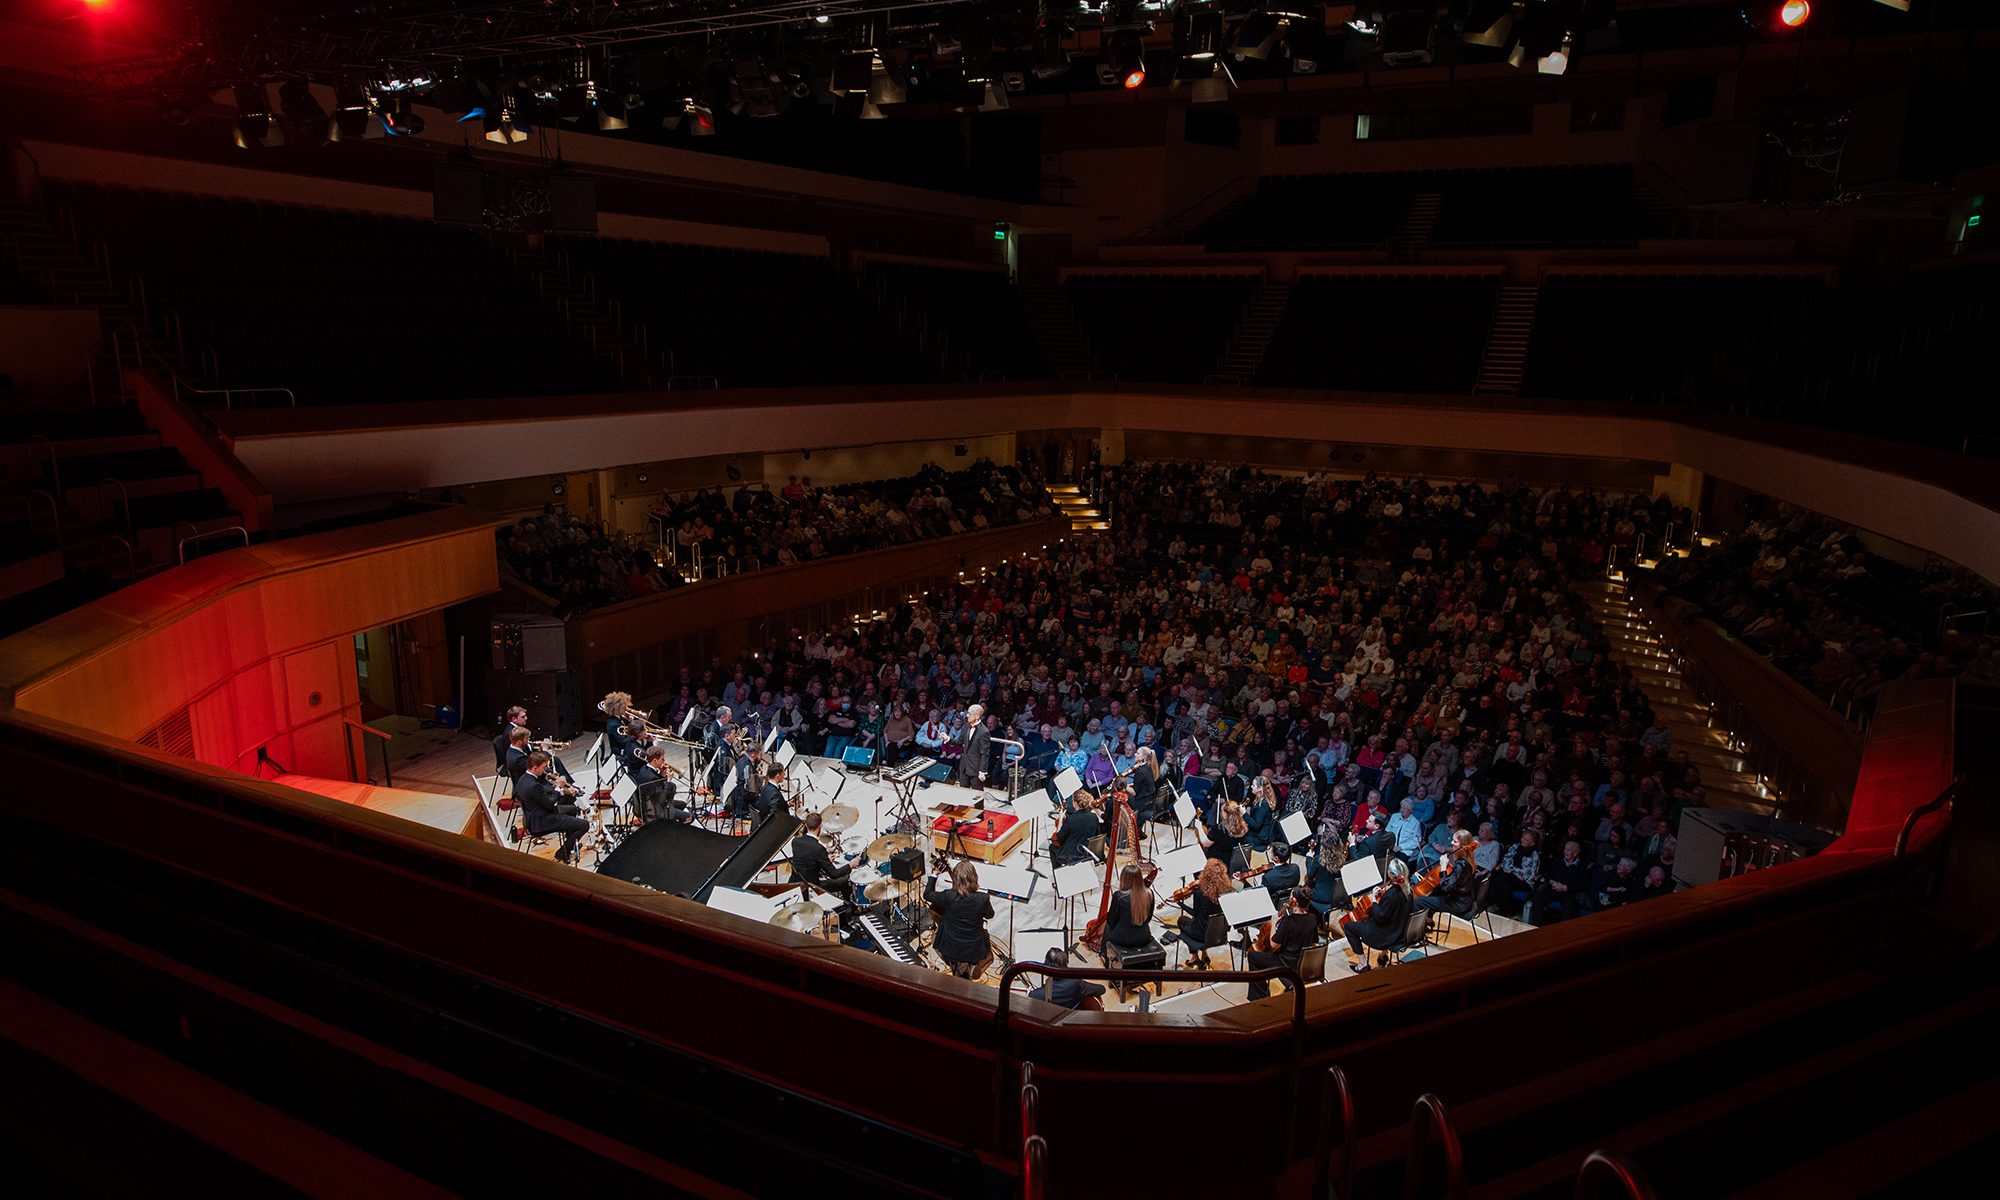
(549, 745)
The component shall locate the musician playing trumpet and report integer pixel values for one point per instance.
(656, 794)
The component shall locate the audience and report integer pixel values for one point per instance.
(1419, 642)
(580, 565)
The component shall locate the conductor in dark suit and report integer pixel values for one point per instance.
(978, 746)
(543, 811)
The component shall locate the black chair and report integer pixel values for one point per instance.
(1150, 957)
(1414, 933)
(1217, 934)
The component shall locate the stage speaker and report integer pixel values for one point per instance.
(906, 865)
(572, 204)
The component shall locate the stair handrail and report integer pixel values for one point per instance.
(1943, 800)
(55, 511)
(1336, 1103)
(131, 530)
(1034, 1167)
(1430, 1113)
(55, 460)
(387, 779)
(1608, 1174)
(180, 547)
(131, 555)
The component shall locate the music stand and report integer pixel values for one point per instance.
(1075, 880)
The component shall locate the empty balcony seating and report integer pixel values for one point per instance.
(747, 318)
(1392, 333)
(1622, 337)
(1330, 212)
(973, 319)
(341, 308)
(1159, 328)
(1541, 206)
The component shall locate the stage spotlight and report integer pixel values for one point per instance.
(1556, 61)
(350, 109)
(1198, 36)
(696, 116)
(1794, 13)
(304, 118)
(400, 118)
(752, 88)
(613, 108)
(1125, 54)
(253, 114)
(1491, 23)
(505, 125)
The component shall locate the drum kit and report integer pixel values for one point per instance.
(813, 920)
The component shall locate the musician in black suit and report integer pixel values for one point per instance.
(543, 811)
(515, 760)
(812, 864)
(1145, 785)
(972, 765)
(715, 736)
(657, 792)
(771, 797)
(1070, 845)
(516, 718)
(1387, 921)
(962, 911)
(1282, 875)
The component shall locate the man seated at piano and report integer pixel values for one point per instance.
(811, 863)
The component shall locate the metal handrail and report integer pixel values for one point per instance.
(387, 779)
(180, 547)
(55, 510)
(131, 555)
(1003, 1011)
(228, 394)
(131, 527)
(1034, 1167)
(1943, 799)
(1336, 1101)
(1607, 1174)
(1430, 1113)
(55, 464)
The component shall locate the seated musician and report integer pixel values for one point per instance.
(1282, 875)
(1261, 817)
(543, 810)
(962, 911)
(745, 784)
(716, 735)
(1454, 892)
(518, 749)
(1387, 921)
(515, 718)
(1066, 993)
(771, 797)
(1323, 872)
(656, 794)
(1292, 934)
(1374, 842)
(1226, 836)
(1070, 845)
(617, 710)
(1131, 912)
(812, 864)
(1206, 902)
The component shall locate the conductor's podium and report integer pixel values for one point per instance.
(988, 837)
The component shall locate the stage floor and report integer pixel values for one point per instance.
(445, 761)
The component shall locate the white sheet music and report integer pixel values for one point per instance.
(1295, 828)
(1176, 865)
(785, 755)
(685, 722)
(1032, 806)
(1067, 783)
(1011, 883)
(770, 737)
(1078, 878)
(748, 905)
(1033, 945)
(1184, 812)
(1247, 907)
(1360, 874)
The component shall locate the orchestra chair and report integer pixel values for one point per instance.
(1096, 846)
(1217, 934)
(1414, 933)
(1482, 904)
(1312, 963)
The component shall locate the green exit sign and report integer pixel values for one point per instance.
(999, 231)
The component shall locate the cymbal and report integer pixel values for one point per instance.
(840, 818)
(800, 916)
(889, 889)
(882, 847)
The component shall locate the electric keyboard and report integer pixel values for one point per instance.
(886, 942)
(906, 771)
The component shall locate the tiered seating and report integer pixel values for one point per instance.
(747, 318)
(974, 317)
(1916, 362)
(1617, 337)
(1330, 212)
(1541, 206)
(1398, 333)
(1160, 328)
(342, 308)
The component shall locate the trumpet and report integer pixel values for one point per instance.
(549, 745)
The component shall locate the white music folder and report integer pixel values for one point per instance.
(1296, 829)
(1184, 812)
(1247, 907)
(751, 906)
(1360, 874)
(1008, 883)
(1067, 783)
(1176, 865)
(1078, 878)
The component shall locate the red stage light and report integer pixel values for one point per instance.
(1135, 79)
(1795, 12)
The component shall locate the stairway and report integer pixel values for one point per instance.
(1709, 749)
(1058, 331)
(1079, 508)
(1507, 340)
(1658, 217)
(1254, 331)
(1420, 218)
(575, 298)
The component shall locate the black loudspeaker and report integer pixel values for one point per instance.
(572, 204)
(906, 865)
